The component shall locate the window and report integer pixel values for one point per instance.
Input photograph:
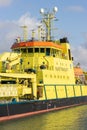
(63, 77)
(42, 50)
(46, 75)
(53, 52)
(17, 50)
(36, 50)
(30, 50)
(50, 76)
(47, 51)
(54, 76)
(8, 82)
(23, 50)
(58, 76)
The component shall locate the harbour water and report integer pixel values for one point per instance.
(67, 119)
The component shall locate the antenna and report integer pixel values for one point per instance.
(47, 20)
(25, 32)
(39, 31)
(33, 34)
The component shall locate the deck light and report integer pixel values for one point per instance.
(55, 9)
(42, 11)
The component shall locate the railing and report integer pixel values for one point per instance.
(64, 90)
(8, 90)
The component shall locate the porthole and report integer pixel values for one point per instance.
(58, 76)
(50, 76)
(54, 76)
(46, 75)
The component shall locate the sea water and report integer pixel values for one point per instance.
(67, 119)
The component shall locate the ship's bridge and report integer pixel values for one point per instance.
(49, 48)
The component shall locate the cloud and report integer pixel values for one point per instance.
(28, 21)
(5, 2)
(76, 8)
(10, 30)
(80, 55)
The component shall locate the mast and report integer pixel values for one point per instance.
(47, 20)
(25, 33)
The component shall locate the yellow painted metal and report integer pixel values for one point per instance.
(63, 91)
(84, 90)
(50, 92)
(24, 84)
(77, 90)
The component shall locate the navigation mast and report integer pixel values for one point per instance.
(47, 20)
(25, 33)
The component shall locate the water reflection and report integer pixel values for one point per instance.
(68, 119)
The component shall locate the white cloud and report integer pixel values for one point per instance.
(28, 21)
(80, 55)
(5, 2)
(76, 8)
(10, 30)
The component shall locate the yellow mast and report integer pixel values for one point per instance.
(25, 32)
(47, 20)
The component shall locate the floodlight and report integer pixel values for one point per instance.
(55, 9)
(42, 11)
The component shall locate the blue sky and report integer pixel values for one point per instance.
(72, 22)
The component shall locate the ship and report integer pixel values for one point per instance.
(38, 75)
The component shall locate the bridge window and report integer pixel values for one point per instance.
(23, 50)
(17, 50)
(47, 51)
(53, 52)
(36, 50)
(30, 50)
(42, 50)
